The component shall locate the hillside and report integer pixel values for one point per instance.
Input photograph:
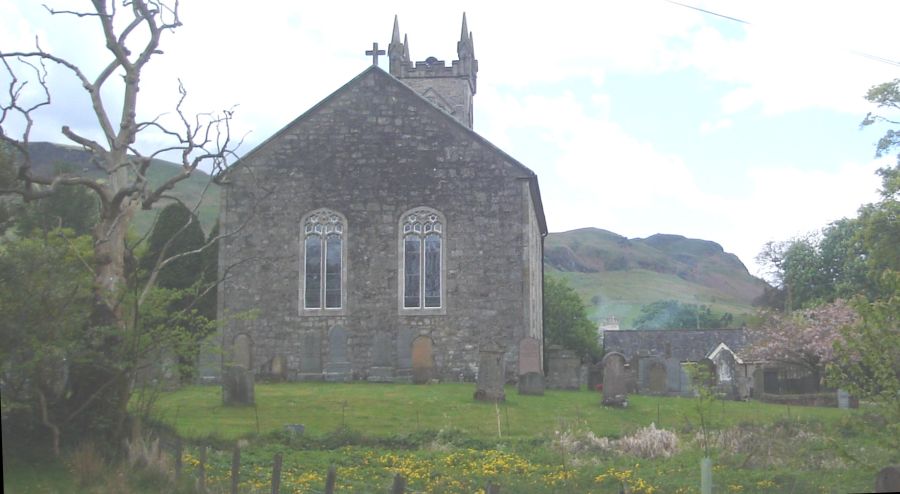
(46, 157)
(616, 275)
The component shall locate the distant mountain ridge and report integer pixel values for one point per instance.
(669, 267)
(46, 157)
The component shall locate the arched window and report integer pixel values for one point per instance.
(323, 260)
(422, 233)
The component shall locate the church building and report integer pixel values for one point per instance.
(379, 237)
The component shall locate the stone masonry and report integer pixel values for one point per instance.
(373, 151)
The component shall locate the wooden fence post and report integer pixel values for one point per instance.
(179, 451)
(399, 485)
(235, 469)
(276, 473)
(201, 472)
(492, 488)
(330, 480)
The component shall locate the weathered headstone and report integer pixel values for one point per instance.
(531, 383)
(338, 367)
(529, 355)
(310, 356)
(237, 380)
(563, 369)
(403, 372)
(491, 374)
(242, 351)
(653, 380)
(843, 398)
(382, 369)
(888, 479)
(614, 380)
(531, 376)
(422, 360)
(237, 385)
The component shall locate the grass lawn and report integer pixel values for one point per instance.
(442, 441)
(380, 410)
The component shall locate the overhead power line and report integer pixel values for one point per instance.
(735, 19)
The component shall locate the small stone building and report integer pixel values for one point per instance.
(378, 233)
(657, 358)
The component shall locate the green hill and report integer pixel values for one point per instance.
(47, 156)
(616, 276)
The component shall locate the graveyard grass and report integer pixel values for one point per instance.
(442, 440)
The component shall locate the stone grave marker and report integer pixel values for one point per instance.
(491, 374)
(563, 369)
(529, 355)
(531, 376)
(337, 368)
(422, 360)
(382, 369)
(237, 380)
(843, 398)
(310, 356)
(615, 383)
(531, 383)
(654, 376)
(888, 479)
(403, 371)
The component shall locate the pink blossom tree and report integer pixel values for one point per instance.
(803, 338)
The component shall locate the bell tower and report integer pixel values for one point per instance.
(449, 88)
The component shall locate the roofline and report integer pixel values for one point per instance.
(529, 174)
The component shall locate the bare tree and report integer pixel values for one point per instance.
(132, 30)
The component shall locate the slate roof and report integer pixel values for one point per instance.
(687, 345)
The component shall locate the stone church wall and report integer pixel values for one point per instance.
(372, 151)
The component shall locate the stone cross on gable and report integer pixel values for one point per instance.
(374, 52)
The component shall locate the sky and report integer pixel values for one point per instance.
(638, 116)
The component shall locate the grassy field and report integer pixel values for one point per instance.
(441, 440)
(381, 410)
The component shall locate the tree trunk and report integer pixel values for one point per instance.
(100, 379)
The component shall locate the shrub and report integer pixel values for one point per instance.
(87, 464)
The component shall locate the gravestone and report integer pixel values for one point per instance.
(403, 372)
(531, 376)
(563, 369)
(310, 356)
(615, 380)
(241, 353)
(843, 398)
(422, 360)
(888, 479)
(529, 355)
(382, 369)
(656, 377)
(338, 367)
(531, 383)
(490, 374)
(237, 380)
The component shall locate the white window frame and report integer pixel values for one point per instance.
(405, 219)
(323, 222)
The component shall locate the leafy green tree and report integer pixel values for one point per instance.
(180, 298)
(72, 207)
(565, 319)
(672, 314)
(45, 298)
(131, 38)
(176, 232)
